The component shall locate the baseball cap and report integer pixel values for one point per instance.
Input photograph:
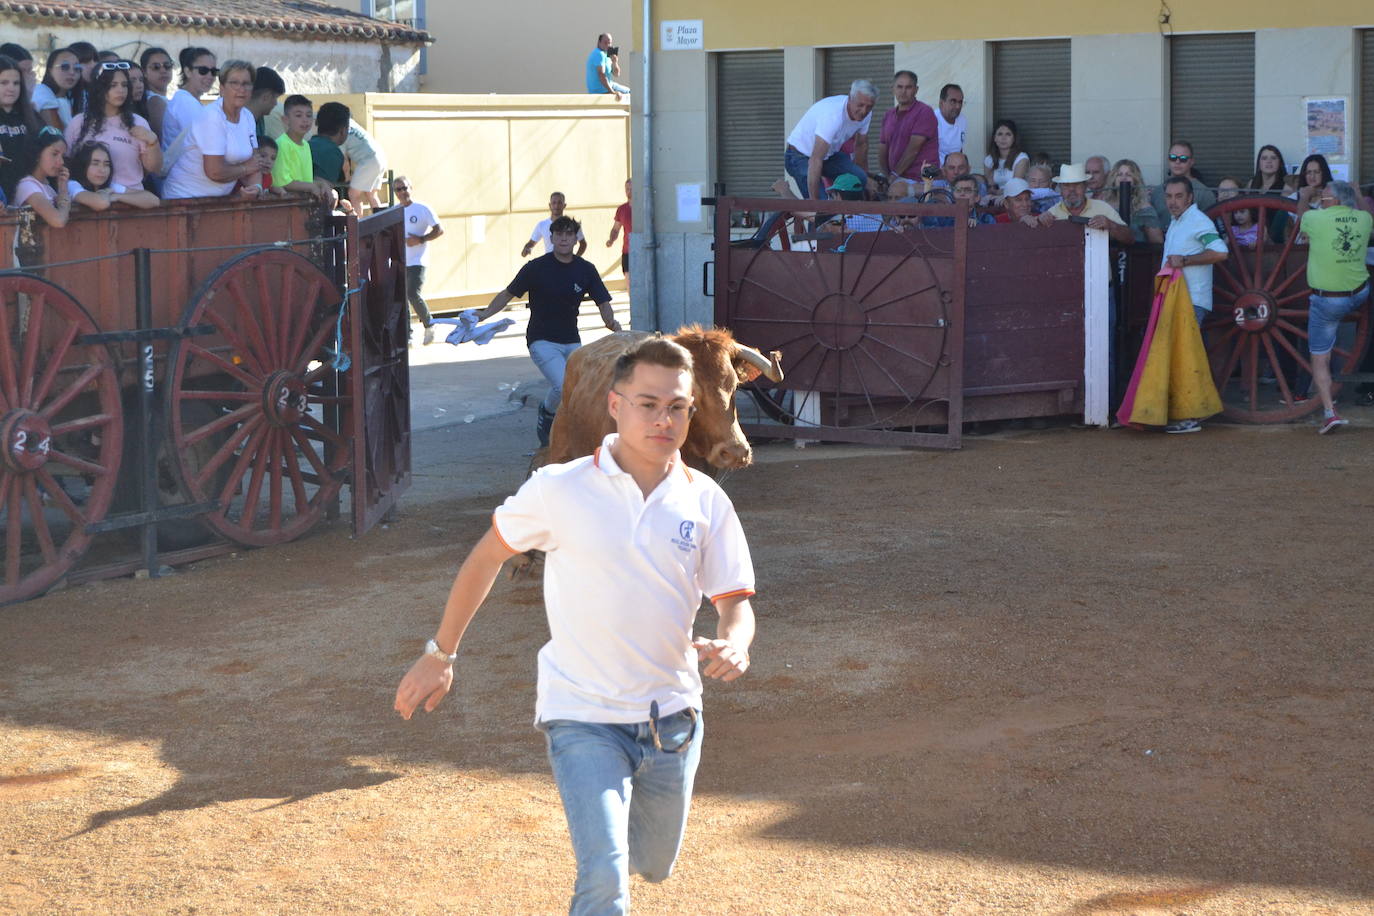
(1015, 186)
(847, 182)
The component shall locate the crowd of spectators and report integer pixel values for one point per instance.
(95, 129)
(921, 154)
(919, 159)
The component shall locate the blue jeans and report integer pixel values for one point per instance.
(1324, 318)
(626, 802)
(552, 360)
(833, 167)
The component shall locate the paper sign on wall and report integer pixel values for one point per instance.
(1326, 126)
(689, 203)
(682, 35)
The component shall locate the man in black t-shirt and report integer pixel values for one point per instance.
(556, 284)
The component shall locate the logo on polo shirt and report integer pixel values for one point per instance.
(577, 287)
(684, 540)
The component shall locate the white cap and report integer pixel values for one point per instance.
(1015, 186)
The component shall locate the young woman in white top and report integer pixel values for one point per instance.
(198, 72)
(44, 185)
(110, 119)
(1005, 160)
(221, 147)
(92, 184)
(157, 76)
(52, 98)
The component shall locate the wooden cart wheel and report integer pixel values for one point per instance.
(266, 373)
(61, 427)
(1257, 335)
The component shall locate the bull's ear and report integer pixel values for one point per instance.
(746, 371)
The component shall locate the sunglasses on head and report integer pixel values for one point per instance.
(205, 71)
(115, 65)
(1173, 158)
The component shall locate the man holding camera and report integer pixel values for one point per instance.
(910, 142)
(603, 64)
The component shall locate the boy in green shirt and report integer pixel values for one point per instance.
(295, 169)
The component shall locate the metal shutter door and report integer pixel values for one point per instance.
(1031, 84)
(750, 133)
(1212, 102)
(845, 65)
(1366, 107)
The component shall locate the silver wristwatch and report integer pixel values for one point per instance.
(433, 651)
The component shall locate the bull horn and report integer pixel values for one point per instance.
(770, 366)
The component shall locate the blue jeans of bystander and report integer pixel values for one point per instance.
(625, 800)
(836, 165)
(552, 360)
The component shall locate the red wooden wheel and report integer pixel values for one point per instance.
(268, 450)
(61, 429)
(1257, 335)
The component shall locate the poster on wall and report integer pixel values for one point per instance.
(1326, 124)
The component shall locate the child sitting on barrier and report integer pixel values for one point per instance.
(44, 185)
(92, 184)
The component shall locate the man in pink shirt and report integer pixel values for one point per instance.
(910, 139)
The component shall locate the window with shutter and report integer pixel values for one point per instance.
(1212, 101)
(842, 66)
(750, 133)
(1032, 85)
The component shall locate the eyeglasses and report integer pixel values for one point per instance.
(205, 71)
(675, 412)
(658, 742)
(115, 65)
(1173, 158)
(239, 84)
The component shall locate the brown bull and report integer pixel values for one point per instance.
(714, 438)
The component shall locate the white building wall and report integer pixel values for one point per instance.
(1291, 64)
(306, 65)
(1120, 87)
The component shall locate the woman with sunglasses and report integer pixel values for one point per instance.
(52, 98)
(198, 72)
(157, 74)
(221, 148)
(17, 123)
(110, 120)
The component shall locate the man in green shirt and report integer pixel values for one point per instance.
(1338, 239)
(295, 168)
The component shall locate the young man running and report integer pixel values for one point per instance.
(633, 542)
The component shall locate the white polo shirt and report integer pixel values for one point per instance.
(623, 579)
(1194, 233)
(828, 119)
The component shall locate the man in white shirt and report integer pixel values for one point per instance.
(542, 233)
(1191, 244)
(813, 148)
(422, 227)
(633, 541)
(951, 121)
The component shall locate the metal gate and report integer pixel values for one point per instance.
(379, 379)
(870, 323)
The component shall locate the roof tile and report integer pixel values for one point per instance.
(294, 16)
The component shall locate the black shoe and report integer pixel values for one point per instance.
(542, 426)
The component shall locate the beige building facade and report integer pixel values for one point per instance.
(1088, 77)
(516, 46)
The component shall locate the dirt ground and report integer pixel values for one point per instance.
(1058, 672)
